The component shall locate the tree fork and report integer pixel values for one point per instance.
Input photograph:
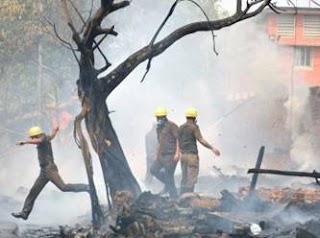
(97, 215)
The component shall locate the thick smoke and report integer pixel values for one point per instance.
(241, 95)
(242, 84)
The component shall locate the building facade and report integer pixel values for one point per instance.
(297, 32)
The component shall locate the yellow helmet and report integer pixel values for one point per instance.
(191, 112)
(160, 112)
(35, 131)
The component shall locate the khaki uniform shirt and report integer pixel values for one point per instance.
(45, 155)
(189, 133)
(167, 138)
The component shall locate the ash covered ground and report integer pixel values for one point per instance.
(219, 208)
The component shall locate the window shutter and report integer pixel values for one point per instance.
(286, 25)
(311, 26)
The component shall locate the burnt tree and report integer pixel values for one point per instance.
(94, 89)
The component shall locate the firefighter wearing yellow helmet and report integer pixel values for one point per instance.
(189, 134)
(191, 112)
(48, 172)
(35, 131)
(167, 152)
(160, 112)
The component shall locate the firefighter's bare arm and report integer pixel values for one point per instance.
(177, 153)
(207, 145)
(31, 141)
(54, 132)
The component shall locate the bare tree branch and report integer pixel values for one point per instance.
(115, 77)
(239, 6)
(75, 34)
(90, 12)
(53, 32)
(88, 19)
(77, 11)
(99, 42)
(107, 64)
(67, 44)
(104, 10)
(164, 22)
(289, 2)
(119, 5)
(83, 145)
(106, 3)
(107, 31)
(61, 41)
(92, 31)
(275, 9)
(316, 2)
(104, 68)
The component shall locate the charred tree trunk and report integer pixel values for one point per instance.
(116, 171)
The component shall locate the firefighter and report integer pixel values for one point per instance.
(167, 152)
(189, 134)
(48, 172)
(151, 146)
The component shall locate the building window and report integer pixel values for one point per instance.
(303, 56)
(286, 25)
(311, 26)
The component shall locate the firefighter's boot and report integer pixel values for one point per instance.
(22, 215)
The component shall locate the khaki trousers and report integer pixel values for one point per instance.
(190, 171)
(163, 169)
(50, 173)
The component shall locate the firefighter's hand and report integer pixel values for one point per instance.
(176, 157)
(215, 151)
(21, 143)
(56, 128)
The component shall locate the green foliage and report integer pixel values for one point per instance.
(29, 54)
(19, 26)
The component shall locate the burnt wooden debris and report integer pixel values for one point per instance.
(195, 215)
(255, 176)
(198, 216)
(313, 174)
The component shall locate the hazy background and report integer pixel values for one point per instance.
(243, 96)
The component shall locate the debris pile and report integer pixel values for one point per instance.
(200, 216)
(281, 195)
(193, 215)
(43, 232)
(9, 230)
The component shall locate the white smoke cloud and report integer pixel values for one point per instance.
(187, 74)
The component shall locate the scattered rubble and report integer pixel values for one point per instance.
(282, 195)
(195, 216)
(9, 230)
(201, 216)
(270, 212)
(41, 232)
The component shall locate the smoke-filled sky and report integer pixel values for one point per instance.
(240, 94)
